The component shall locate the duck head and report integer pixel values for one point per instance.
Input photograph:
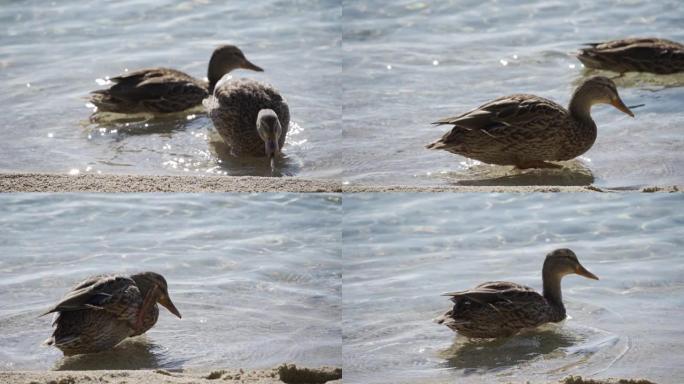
(225, 59)
(270, 130)
(153, 286)
(597, 90)
(563, 262)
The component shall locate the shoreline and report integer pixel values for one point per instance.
(50, 182)
(286, 373)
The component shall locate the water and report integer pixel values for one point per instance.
(52, 53)
(363, 78)
(401, 251)
(256, 277)
(409, 63)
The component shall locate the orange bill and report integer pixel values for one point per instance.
(166, 302)
(617, 103)
(580, 270)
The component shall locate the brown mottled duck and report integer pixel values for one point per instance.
(100, 312)
(165, 90)
(526, 130)
(649, 54)
(251, 117)
(500, 309)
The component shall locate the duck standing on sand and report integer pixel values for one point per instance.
(649, 54)
(165, 90)
(500, 309)
(526, 130)
(103, 310)
(251, 117)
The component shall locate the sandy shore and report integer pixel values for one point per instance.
(39, 182)
(290, 374)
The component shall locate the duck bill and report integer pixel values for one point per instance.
(246, 64)
(166, 302)
(272, 148)
(617, 103)
(580, 270)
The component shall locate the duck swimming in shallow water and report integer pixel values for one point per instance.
(251, 117)
(499, 308)
(103, 310)
(165, 90)
(526, 130)
(649, 54)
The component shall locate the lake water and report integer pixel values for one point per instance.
(364, 79)
(52, 53)
(409, 63)
(256, 277)
(401, 251)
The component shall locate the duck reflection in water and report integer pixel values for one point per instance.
(478, 355)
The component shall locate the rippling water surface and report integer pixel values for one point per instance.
(408, 63)
(401, 251)
(52, 53)
(256, 277)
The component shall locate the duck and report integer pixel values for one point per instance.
(103, 310)
(638, 54)
(251, 117)
(160, 91)
(500, 309)
(528, 131)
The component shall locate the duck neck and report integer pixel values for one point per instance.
(580, 107)
(215, 72)
(214, 75)
(552, 293)
(583, 131)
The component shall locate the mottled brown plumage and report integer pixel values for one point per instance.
(653, 55)
(499, 308)
(100, 312)
(527, 130)
(165, 90)
(251, 117)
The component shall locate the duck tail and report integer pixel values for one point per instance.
(439, 144)
(447, 318)
(49, 341)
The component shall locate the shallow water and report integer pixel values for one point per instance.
(401, 251)
(52, 53)
(413, 62)
(256, 277)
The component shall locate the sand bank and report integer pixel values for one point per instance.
(289, 374)
(40, 182)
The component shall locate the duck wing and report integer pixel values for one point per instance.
(156, 89)
(496, 291)
(498, 117)
(114, 294)
(635, 54)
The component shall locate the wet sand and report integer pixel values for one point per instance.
(40, 182)
(289, 374)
